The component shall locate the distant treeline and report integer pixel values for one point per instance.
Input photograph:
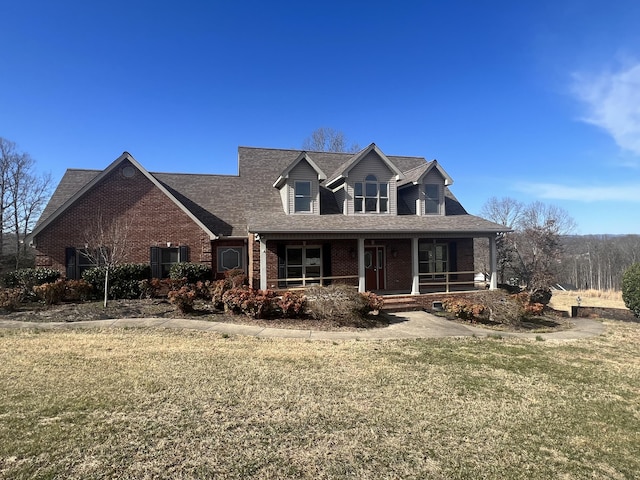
(597, 261)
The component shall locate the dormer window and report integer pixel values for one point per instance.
(302, 202)
(432, 199)
(371, 196)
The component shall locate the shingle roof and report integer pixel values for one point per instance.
(355, 158)
(70, 184)
(234, 205)
(455, 224)
(415, 174)
(69, 192)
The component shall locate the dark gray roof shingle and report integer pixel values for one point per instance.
(234, 205)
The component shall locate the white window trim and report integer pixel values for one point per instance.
(303, 282)
(439, 199)
(364, 196)
(433, 274)
(295, 195)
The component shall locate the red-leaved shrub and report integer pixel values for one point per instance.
(292, 304)
(183, 298)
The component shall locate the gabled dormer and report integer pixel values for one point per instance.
(299, 186)
(423, 189)
(367, 183)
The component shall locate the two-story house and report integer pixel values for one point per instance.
(289, 218)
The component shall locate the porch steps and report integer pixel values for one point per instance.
(400, 304)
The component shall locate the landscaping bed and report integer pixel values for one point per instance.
(500, 310)
(162, 308)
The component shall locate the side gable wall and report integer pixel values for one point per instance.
(156, 221)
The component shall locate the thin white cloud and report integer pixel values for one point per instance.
(613, 103)
(586, 193)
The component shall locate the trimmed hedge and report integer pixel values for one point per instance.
(124, 280)
(27, 278)
(193, 272)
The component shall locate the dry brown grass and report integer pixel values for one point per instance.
(167, 404)
(588, 298)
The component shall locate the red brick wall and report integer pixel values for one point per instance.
(398, 256)
(254, 264)
(156, 220)
(344, 261)
(465, 259)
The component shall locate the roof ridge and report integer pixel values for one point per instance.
(225, 175)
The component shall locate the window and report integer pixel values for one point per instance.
(302, 196)
(371, 196)
(303, 265)
(163, 258)
(77, 260)
(433, 259)
(168, 256)
(230, 258)
(432, 199)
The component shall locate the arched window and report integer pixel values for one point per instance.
(371, 196)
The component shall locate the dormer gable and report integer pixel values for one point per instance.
(303, 157)
(423, 189)
(299, 186)
(366, 183)
(338, 177)
(422, 174)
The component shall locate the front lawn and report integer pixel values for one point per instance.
(180, 404)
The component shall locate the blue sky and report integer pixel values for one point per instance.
(536, 100)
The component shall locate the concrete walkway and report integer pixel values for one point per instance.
(403, 325)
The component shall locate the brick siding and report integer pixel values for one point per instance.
(156, 220)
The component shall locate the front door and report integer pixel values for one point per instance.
(374, 268)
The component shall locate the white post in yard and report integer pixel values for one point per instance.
(361, 270)
(493, 262)
(415, 267)
(263, 263)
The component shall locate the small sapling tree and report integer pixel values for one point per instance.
(107, 244)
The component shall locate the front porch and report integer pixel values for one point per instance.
(411, 266)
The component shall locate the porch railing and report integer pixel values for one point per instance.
(445, 279)
(305, 282)
(448, 280)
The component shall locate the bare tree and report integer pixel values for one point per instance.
(505, 211)
(27, 195)
(23, 194)
(598, 261)
(532, 252)
(7, 155)
(326, 139)
(107, 244)
(537, 243)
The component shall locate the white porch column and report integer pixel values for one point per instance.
(493, 263)
(263, 263)
(361, 270)
(415, 267)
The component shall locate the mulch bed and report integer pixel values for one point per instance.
(160, 308)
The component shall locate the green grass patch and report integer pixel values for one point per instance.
(179, 404)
